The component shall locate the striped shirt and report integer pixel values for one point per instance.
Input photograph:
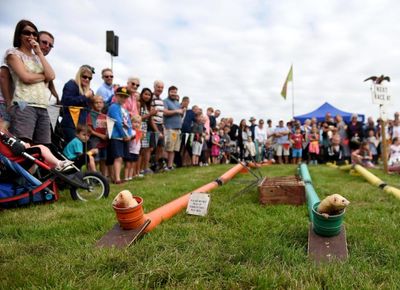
(158, 104)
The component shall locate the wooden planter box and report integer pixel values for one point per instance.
(282, 190)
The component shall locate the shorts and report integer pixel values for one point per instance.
(297, 153)
(132, 157)
(102, 155)
(145, 139)
(31, 123)
(118, 148)
(172, 140)
(280, 148)
(196, 148)
(155, 139)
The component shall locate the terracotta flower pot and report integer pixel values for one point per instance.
(130, 217)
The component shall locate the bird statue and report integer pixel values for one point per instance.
(378, 80)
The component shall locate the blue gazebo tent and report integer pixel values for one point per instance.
(328, 108)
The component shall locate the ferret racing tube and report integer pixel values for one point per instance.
(312, 199)
(172, 208)
(376, 181)
(346, 167)
(231, 173)
(305, 174)
(311, 195)
(392, 190)
(368, 176)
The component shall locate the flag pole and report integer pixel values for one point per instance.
(292, 93)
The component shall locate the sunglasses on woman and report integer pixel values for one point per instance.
(29, 33)
(87, 78)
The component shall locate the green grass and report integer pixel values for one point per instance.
(238, 245)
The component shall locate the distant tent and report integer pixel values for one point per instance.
(327, 108)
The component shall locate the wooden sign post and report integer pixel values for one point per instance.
(381, 97)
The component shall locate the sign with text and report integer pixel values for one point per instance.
(380, 95)
(198, 203)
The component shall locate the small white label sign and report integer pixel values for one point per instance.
(198, 203)
(380, 95)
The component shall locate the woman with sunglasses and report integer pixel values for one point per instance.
(75, 99)
(30, 72)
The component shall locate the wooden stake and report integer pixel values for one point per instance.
(384, 147)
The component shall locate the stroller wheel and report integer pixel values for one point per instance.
(97, 184)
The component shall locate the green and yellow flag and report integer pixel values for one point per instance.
(289, 78)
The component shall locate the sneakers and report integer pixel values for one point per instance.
(64, 165)
(166, 168)
(147, 171)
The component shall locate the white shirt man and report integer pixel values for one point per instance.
(260, 133)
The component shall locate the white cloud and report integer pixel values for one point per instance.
(233, 55)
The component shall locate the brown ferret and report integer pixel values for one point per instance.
(125, 199)
(332, 205)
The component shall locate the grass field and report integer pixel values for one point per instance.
(238, 245)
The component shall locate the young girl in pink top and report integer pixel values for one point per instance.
(215, 146)
(313, 148)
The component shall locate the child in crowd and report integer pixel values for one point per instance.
(313, 148)
(226, 146)
(97, 124)
(362, 155)
(250, 149)
(222, 142)
(197, 132)
(215, 147)
(394, 155)
(205, 154)
(373, 145)
(249, 146)
(121, 133)
(335, 152)
(76, 149)
(297, 149)
(269, 151)
(131, 161)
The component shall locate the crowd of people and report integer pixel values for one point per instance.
(125, 132)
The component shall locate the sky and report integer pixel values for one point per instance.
(230, 55)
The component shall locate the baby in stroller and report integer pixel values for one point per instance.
(12, 148)
(17, 157)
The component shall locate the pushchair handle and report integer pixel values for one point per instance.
(16, 146)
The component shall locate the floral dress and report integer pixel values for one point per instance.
(145, 124)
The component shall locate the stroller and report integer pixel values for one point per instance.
(24, 189)
(44, 186)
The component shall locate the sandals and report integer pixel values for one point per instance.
(119, 182)
(64, 164)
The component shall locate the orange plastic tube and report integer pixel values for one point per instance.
(172, 208)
